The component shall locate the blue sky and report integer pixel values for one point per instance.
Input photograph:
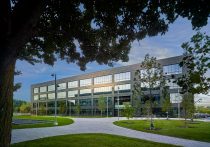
(164, 46)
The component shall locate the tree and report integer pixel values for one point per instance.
(62, 108)
(41, 30)
(77, 109)
(25, 108)
(128, 111)
(188, 106)
(17, 103)
(166, 98)
(42, 109)
(101, 104)
(196, 63)
(148, 79)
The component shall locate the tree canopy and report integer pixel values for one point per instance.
(45, 30)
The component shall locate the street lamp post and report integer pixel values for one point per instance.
(69, 107)
(107, 105)
(118, 103)
(56, 122)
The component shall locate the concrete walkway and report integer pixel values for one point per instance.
(99, 125)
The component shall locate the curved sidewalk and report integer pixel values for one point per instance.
(99, 125)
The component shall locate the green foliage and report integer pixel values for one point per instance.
(146, 80)
(166, 99)
(25, 108)
(201, 109)
(62, 108)
(128, 111)
(197, 61)
(101, 104)
(17, 104)
(105, 27)
(188, 106)
(42, 109)
(77, 108)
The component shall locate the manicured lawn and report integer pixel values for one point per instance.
(89, 140)
(61, 121)
(196, 130)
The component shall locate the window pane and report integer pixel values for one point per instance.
(36, 97)
(73, 93)
(61, 95)
(42, 96)
(172, 69)
(103, 89)
(61, 86)
(43, 89)
(36, 90)
(123, 87)
(103, 79)
(85, 91)
(85, 82)
(122, 77)
(73, 84)
(51, 96)
(51, 88)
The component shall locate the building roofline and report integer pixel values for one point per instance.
(101, 71)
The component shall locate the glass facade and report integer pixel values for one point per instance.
(61, 86)
(85, 92)
(43, 89)
(36, 90)
(172, 69)
(175, 97)
(36, 97)
(101, 90)
(122, 76)
(85, 82)
(85, 102)
(61, 95)
(103, 79)
(42, 96)
(123, 87)
(51, 88)
(73, 93)
(51, 96)
(73, 84)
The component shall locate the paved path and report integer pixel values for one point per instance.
(98, 125)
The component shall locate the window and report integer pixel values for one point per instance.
(85, 91)
(122, 77)
(175, 98)
(103, 79)
(61, 86)
(122, 87)
(51, 96)
(42, 96)
(36, 90)
(36, 97)
(85, 102)
(73, 93)
(172, 69)
(43, 89)
(73, 84)
(61, 95)
(103, 89)
(51, 88)
(85, 82)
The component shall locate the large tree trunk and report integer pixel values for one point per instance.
(7, 67)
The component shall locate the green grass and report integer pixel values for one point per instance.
(196, 130)
(89, 140)
(61, 121)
